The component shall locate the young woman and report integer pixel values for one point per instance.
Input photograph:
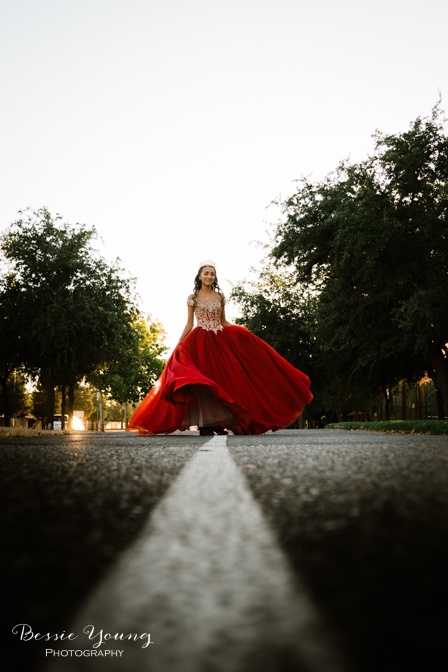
(221, 376)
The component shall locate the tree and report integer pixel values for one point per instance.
(78, 310)
(278, 310)
(85, 399)
(39, 401)
(414, 173)
(141, 362)
(13, 326)
(372, 240)
(17, 395)
(285, 314)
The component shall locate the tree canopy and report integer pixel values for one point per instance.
(370, 242)
(66, 314)
(130, 378)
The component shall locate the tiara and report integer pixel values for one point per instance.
(207, 262)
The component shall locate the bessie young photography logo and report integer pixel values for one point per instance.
(99, 637)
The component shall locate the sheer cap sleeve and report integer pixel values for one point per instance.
(190, 302)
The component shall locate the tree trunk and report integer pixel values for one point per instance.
(419, 401)
(440, 366)
(63, 407)
(338, 406)
(49, 416)
(126, 415)
(404, 400)
(386, 403)
(71, 402)
(440, 407)
(5, 401)
(101, 409)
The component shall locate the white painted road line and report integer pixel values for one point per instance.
(207, 580)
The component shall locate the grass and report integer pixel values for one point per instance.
(22, 431)
(396, 426)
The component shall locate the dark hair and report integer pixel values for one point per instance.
(198, 285)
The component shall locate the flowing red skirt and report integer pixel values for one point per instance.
(258, 388)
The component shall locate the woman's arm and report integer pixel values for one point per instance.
(190, 322)
(223, 318)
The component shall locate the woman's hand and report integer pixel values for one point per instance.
(190, 322)
(223, 318)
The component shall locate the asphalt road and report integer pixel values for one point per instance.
(361, 517)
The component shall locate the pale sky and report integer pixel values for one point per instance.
(171, 125)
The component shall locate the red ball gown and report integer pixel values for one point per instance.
(222, 377)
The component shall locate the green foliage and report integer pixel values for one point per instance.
(132, 376)
(85, 399)
(285, 314)
(396, 426)
(18, 396)
(270, 302)
(13, 325)
(39, 401)
(372, 238)
(78, 307)
(66, 314)
(113, 411)
(355, 289)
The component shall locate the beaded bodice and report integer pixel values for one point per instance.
(208, 315)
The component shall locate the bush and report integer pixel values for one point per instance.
(396, 426)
